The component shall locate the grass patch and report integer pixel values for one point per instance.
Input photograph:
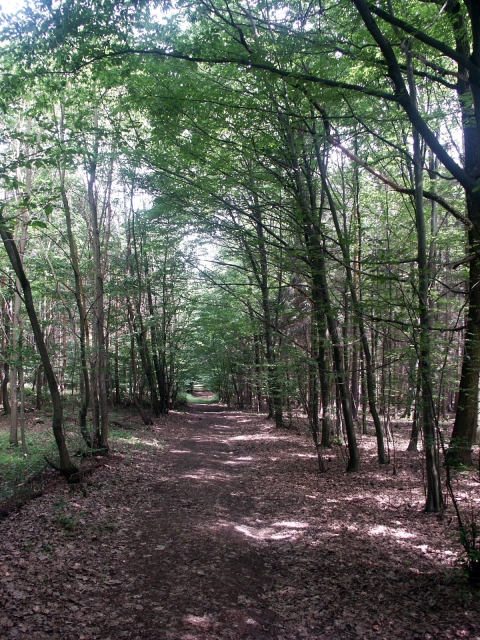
(120, 437)
(201, 400)
(16, 469)
(184, 399)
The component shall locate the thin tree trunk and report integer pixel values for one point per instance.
(434, 501)
(16, 328)
(158, 363)
(116, 371)
(39, 387)
(66, 466)
(98, 307)
(5, 395)
(140, 331)
(22, 397)
(260, 269)
(5, 349)
(382, 457)
(416, 423)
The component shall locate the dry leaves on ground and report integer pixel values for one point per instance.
(228, 531)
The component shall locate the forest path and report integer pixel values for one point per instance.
(217, 526)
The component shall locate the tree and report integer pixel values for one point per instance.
(66, 466)
(246, 137)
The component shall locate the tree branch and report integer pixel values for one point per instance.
(428, 195)
(461, 59)
(404, 99)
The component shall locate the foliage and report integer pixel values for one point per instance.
(254, 174)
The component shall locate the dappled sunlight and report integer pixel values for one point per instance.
(142, 441)
(264, 532)
(238, 461)
(325, 521)
(228, 535)
(291, 524)
(381, 530)
(259, 437)
(213, 438)
(199, 621)
(425, 548)
(206, 475)
(357, 496)
(304, 455)
(201, 439)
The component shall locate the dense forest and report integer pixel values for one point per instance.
(277, 201)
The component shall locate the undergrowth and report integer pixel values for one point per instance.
(17, 469)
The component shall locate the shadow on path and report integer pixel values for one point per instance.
(217, 526)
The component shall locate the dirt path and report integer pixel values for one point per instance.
(219, 527)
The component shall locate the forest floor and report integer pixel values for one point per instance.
(213, 525)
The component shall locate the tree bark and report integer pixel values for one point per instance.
(260, 269)
(100, 398)
(434, 501)
(66, 466)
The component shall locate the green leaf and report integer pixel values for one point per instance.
(37, 224)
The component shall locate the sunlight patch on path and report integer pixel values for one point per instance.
(260, 436)
(204, 475)
(201, 621)
(290, 530)
(237, 462)
(381, 530)
(142, 441)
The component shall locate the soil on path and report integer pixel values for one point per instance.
(216, 526)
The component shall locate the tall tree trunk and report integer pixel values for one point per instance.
(370, 380)
(313, 392)
(100, 398)
(460, 450)
(417, 420)
(16, 323)
(257, 350)
(116, 374)
(464, 429)
(260, 269)
(39, 387)
(66, 466)
(320, 292)
(159, 364)
(434, 500)
(139, 325)
(5, 340)
(83, 322)
(21, 383)
(324, 378)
